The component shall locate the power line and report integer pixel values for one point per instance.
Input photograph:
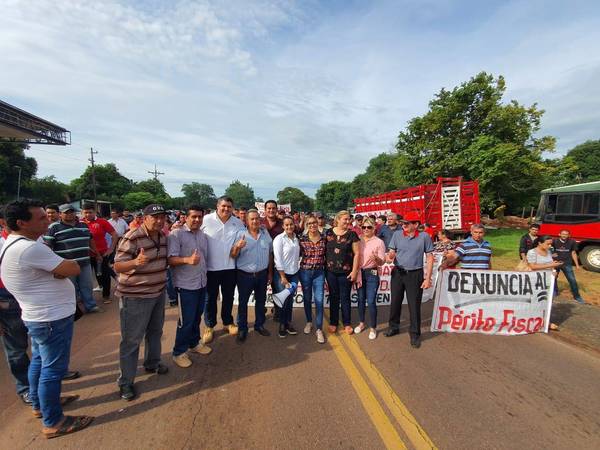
(155, 172)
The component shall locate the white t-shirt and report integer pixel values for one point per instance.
(120, 226)
(26, 272)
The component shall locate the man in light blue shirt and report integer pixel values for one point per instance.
(253, 252)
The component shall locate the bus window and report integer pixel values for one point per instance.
(565, 204)
(551, 206)
(591, 203)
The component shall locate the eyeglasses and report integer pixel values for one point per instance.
(311, 223)
(367, 227)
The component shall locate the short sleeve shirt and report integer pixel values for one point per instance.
(474, 255)
(182, 243)
(563, 250)
(312, 253)
(339, 255)
(221, 237)
(99, 228)
(27, 273)
(410, 249)
(70, 241)
(255, 255)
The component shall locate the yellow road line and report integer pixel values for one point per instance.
(382, 423)
(417, 435)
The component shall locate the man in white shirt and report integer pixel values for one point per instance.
(118, 223)
(220, 228)
(30, 271)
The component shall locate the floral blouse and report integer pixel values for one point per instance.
(339, 255)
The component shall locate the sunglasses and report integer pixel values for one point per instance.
(367, 227)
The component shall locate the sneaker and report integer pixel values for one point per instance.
(173, 303)
(373, 334)
(320, 337)
(307, 328)
(282, 333)
(580, 300)
(359, 329)
(231, 329)
(208, 335)
(25, 397)
(97, 289)
(182, 360)
(291, 330)
(348, 329)
(95, 309)
(201, 349)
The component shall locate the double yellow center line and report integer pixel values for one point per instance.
(344, 346)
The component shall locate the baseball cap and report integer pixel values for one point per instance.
(154, 209)
(65, 207)
(358, 216)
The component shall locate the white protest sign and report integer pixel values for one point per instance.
(493, 302)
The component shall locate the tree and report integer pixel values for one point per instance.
(48, 190)
(382, 175)
(299, 200)
(333, 196)
(110, 184)
(582, 163)
(242, 194)
(12, 155)
(199, 193)
(138, 200)
(470, 132)
(152, 186)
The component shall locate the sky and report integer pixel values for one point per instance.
(280, 93)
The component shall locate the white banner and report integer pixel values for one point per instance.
(493, 302)
(383, 293)
(260, 206)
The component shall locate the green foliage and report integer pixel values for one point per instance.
(242, 194)
(110, 184)
(299, 200)
(134, 201)
(334, 196)
(47, 190)
(382, 175)
(199, 194)
(12, 155)
(469, 132)
(582, 163)
(152, 186)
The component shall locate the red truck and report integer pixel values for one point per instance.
(451, 204)
(575, 208)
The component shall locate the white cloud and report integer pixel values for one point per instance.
(279, 93)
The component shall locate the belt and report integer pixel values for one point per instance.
(253, 274)
(403, 270)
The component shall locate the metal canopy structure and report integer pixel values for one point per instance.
(20, 126)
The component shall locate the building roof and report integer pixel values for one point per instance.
(20, 126)
(583, 187)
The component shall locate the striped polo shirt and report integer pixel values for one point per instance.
(474, 255)
(146, 281)
(70, 241)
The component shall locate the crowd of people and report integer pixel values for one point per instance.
(48, 257)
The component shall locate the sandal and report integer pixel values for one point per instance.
(64, 400)
(553, 327)
(71, 424)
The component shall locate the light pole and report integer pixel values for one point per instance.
(19, 184)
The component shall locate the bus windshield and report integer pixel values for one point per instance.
(576, 207)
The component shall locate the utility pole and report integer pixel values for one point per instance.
(19, 184)
(155, 172)
(92, 153)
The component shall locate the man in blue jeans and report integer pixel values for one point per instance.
(30, 270)
(566, 252)
(253, 252)
(187, 258)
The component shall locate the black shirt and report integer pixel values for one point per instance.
(563, 250)
(526, 244)
(339, 255)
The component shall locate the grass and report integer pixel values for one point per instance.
(505, 248)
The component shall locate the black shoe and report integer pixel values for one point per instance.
(391, 332)
(263, 331)
(127, 392)
(241, 336)
(415, 342)
(72, 375)
(173, 303)
(161, 369)
(25, 397)
(282, 331)
(291, 330)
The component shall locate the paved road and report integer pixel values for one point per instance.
(457, 391)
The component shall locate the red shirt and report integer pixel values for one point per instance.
(98, 228)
